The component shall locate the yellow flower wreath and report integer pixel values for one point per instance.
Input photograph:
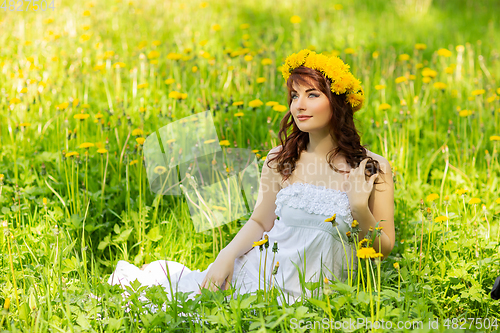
(343, 82)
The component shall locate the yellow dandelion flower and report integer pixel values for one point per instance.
(72, 153)
(137, 131)
(266, 61)
(216, 27)
(491, 99)
(261, 242)
(349, 50)
(375, 54)
(238, 103)
(420, 46)
(86, 145)
(354, 224)
(366, 252)
(159, 170)
(15, 100)
(396, 265)
(380, 86)
(465, 113)
(497, 201)
(194, 69)
(224, 143)
(142, 85)
(81, 116)
(133, 162)
(99, 115)
(239, 114)
(153, 54)
(295, 19)
(102, 151)
(478, 92)
(474, 201)
(6, 305)
(461, 191)
(255, 103)
(331, 219)
(427, 72)
(140, 140)
(441, 219)
(62, 106)
(272, 103)
(24, 124)
(169, 81)
(384, 106)
(174, 56)
(444, 53)
(219, 208)
(431, 197)
(209, 141)
(439, 85)
(376, 255)
(244, 26)
(401, 79)
(404, 57)
(495, 138)
(325, 280)
(261, 79)
(280, 108)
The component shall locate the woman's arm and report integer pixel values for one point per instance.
(262, 219)
(380, 207)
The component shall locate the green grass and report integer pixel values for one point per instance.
(55, 255)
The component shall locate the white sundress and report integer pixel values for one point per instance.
(303, 238)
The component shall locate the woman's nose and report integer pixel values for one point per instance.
(299, 103)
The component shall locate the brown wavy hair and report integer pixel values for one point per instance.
(342, 129)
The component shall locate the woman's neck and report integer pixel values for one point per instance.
(320, 145)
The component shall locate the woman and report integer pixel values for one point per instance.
(319, 170)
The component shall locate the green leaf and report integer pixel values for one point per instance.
(320, 304)
(154, 234)
(104, 243)
(363, 297)
(122, 238)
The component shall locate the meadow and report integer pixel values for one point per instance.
(83, 84)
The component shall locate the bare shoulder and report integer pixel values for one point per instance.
(384, 163)
(273, 153)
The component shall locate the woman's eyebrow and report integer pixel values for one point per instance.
(308, 90)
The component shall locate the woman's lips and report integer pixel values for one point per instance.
(303, 117)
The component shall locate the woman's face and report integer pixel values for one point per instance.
(310, 102)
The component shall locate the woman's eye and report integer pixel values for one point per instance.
(315, 95)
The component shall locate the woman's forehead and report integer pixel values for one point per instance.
(296, 86)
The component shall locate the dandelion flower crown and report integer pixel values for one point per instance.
(343, 82)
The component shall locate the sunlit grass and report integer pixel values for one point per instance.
(84, 85)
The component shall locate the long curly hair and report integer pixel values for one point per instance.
(342, 129)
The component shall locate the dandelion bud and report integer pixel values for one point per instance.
(275, 269)
(396, 265)
(266, 244)
(275, 247)
(325, 280)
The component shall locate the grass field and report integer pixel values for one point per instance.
(106, 74)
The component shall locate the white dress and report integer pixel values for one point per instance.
(317, 248)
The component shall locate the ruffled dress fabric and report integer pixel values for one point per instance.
(309, 249)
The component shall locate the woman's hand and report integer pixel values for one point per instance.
(220, 271)
(357, 188)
